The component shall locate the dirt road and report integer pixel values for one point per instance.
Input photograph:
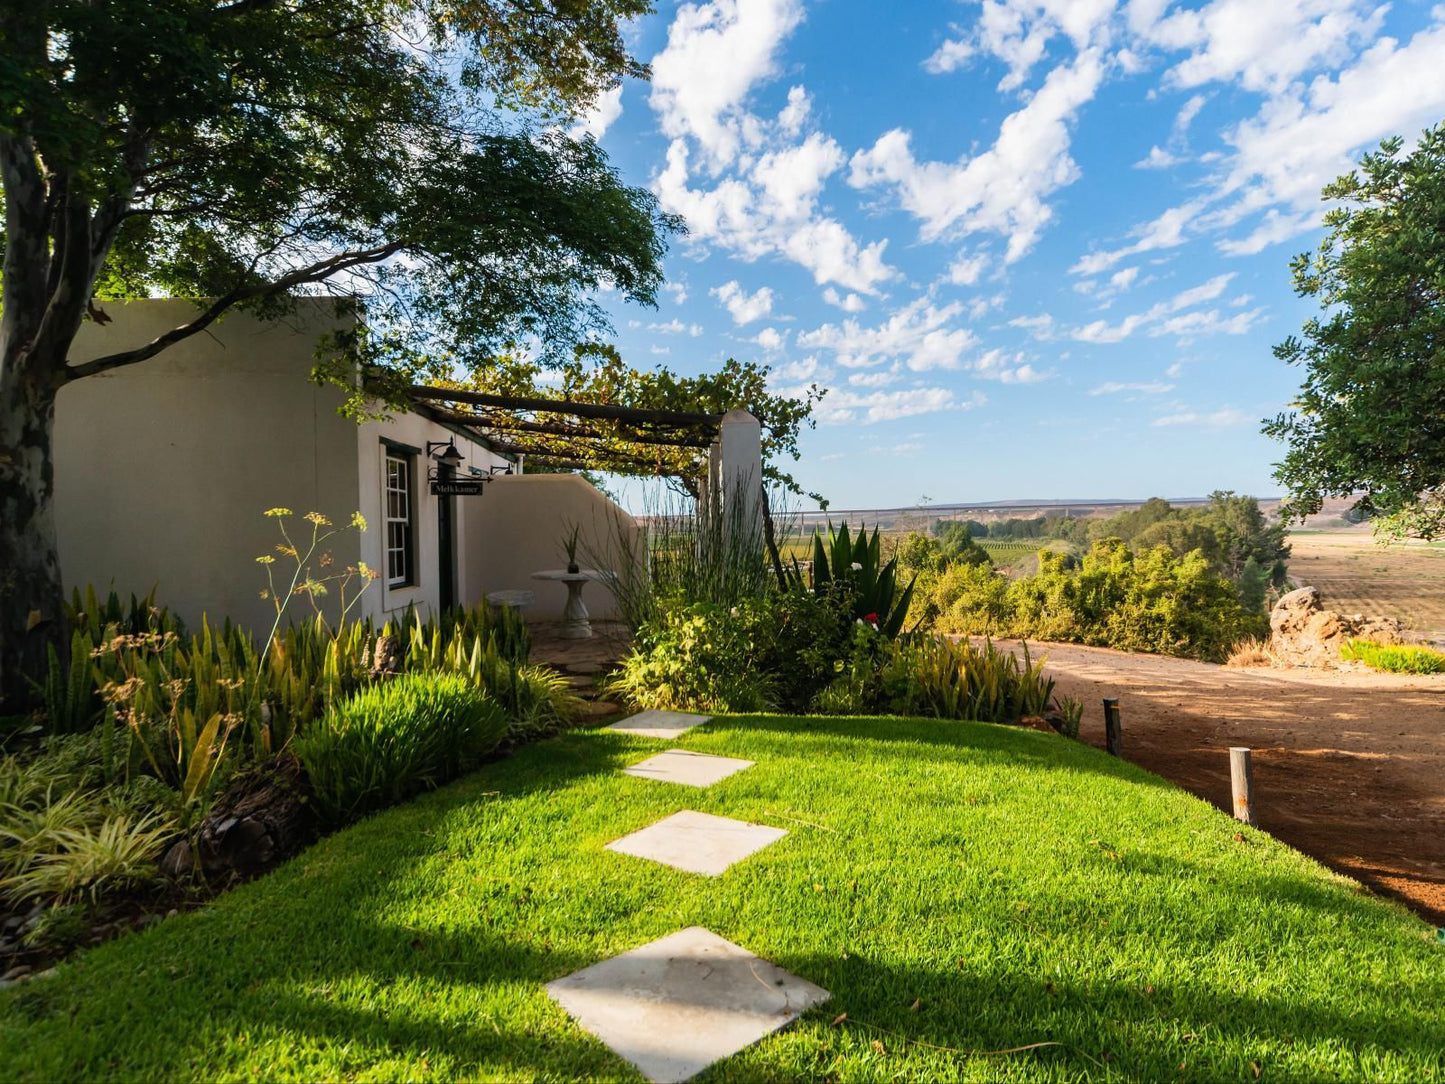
(1349, 767)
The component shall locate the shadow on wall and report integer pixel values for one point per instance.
(518, 529)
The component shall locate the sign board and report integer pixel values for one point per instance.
(458, 487)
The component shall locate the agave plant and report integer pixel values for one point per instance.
(854, 564)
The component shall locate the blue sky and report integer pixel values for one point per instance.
(1034, 248)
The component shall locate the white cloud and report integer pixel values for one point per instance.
(1305, 133)
(1003, 189)
(950, 56)
(743, 307)
(770, 339)
(772, 210)
(1226, 418)
(1193, 323)
(715, 54)
(676, 290)
(1158, 158)
(1114, 387)
(1007, 368)
(873, 378)
(965, 270)
(1262, 44)
(676, 327)
(599, 118)
(920, 335)
(1040, 327)
(796, 111)
(1175, 371)
(848, 303)
(842, 407)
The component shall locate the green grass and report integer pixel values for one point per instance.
(1396, 658)
(1014, 887)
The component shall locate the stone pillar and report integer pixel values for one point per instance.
(735, 466)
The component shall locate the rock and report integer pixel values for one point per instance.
(178, 860)
(1303, 633)
(262, 817)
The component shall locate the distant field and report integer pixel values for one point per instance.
(1355, 575)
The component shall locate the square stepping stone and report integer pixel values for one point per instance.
(678, 1004)
(659, 724)
(689, 769)
(697, 842)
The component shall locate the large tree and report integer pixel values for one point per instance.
(1370, 418)
(412, 152)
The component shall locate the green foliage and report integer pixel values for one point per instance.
(1395, 658)
(927, 559)
(1152, 602)
(853, 566)
(392, 740)
(1367, 419)
(697, 657)
(61, 841)
(1070, 715)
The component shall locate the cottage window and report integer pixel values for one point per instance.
(400, 508)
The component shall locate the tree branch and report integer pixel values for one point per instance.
(317, 272)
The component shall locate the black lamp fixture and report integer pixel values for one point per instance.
(448, 457)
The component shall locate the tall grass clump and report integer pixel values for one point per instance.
(395, 739)
(1394, 658)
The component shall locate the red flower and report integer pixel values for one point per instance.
(872, 619)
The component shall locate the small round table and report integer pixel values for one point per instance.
(575, 623)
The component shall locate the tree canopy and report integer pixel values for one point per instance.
(413, 153)
(1370, 417)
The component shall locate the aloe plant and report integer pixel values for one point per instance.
(854, 563)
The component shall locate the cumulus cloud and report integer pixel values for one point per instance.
(843, 407)
(848, 302)
(742, 306)
(676, 327)
(770, 339)
(599, 118)
(716, 54)
(1003, 189)
(921, 336)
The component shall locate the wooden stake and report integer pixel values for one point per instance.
(1113, 728)
(1241, 782)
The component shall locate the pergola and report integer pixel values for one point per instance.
(562, 434)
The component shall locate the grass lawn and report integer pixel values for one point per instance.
(958, 887)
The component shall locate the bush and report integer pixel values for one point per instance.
(1149, 602)
(395, 739)
(1395, 658)
(696, 657)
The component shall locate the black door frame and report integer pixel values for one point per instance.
(446, 543)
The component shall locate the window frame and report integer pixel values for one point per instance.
(406, 456)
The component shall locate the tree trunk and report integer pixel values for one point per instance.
(32, 610)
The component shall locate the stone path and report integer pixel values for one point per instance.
(697, 842)
(689, 769)
(677, 1005)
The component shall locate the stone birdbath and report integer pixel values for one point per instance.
(575, 619)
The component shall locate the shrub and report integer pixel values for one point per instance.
(695, 657)
(933, 676)
(1395, 658)
(61, 856)
(395, 739)
(1150, 602)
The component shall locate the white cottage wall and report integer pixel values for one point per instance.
(165, 468)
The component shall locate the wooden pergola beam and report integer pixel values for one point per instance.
(503, 424)
(637, 415)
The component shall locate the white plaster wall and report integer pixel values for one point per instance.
(413, 430)
(517, 529)
(164, 468)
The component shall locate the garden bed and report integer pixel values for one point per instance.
(960, 888)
